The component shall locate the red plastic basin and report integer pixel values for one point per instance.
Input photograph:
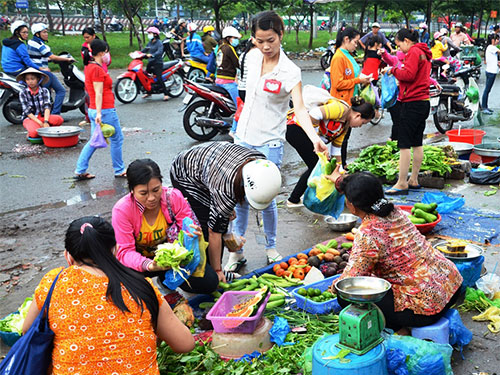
(422, 228)
(472, 136)
(61, 141)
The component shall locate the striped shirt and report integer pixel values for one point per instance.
(207, 173)
(35, 104)
(39, 52)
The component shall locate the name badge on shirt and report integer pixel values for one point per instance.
(272, 86)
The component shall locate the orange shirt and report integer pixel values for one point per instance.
(92, 336)
(342, 76)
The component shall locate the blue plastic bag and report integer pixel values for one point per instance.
(278, 332)
(389, 91)
(445, 203)
(174, 280)
(331, 204)
(396, 362)
(470, 271)
(423, 357)
(459, 334)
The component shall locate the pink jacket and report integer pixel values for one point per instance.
(397, 61)
(127, 220)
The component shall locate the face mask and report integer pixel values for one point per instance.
(235, 42)
(150, 36)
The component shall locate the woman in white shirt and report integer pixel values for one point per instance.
(272, 79)
(492, 64)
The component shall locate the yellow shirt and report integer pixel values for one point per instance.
(438, 49)
(151, 236)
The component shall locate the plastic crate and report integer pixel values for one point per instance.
(225, 304)
(10, 338)
(317, 307)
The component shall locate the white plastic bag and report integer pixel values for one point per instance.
(489, 284)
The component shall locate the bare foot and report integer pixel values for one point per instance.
(146, 96)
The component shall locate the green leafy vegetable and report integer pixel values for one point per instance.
(14, 322)
(174, 255)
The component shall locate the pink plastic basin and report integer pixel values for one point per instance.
(472, 136)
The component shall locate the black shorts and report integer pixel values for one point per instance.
(412, 123)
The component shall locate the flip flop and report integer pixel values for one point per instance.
(121, 175)
(395, 191)
(236, 266)
(414, 187)
(230, 276)
(84, 176)
(271, 260)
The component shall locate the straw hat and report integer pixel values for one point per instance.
(43, 76)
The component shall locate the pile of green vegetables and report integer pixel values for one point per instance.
(383, 160)
(14, 322)
(287, 359)
(173, 255)
(315, 294)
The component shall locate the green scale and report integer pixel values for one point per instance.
(361, 323)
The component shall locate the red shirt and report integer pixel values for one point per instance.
(414, 74)
(95, 73)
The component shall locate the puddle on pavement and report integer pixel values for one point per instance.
(80, 198)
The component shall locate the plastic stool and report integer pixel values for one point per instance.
(438, 332)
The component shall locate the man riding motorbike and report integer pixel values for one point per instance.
(41, 54)
(209, 43)
(179, 31)
(154, 51)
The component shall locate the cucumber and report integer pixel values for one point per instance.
(428, 217)
(425, 207)
(416, 220)
(346, 245)
(275, 304)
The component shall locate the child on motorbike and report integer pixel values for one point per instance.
(154, 50)
(373, 57)
(36, 102)
(194, 44)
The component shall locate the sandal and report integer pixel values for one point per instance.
(121, 175)
(84, 176)
(146, 96)
(235, 266)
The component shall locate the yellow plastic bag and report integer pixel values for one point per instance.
(492, 314)
(324, 187)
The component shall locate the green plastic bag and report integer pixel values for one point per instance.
(107, 130)
(369, 94)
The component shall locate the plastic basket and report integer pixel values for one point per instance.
(317, 307)
(423, 228)
(225, 304)
(10, 338)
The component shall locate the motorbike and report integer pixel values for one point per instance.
(326, 57)
(209, 110)
(74, 79)
(115, 27)
(470, 58)
(456, 100)
(195, 70)
(172, 47)
(136, 79)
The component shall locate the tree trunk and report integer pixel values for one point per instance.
(178, 9)
(101, 21)
(297, 34)
(375, 9)
(142, 27)
(485, 27)
(130, 37)
(428, 15)
(217, 16)
(362, 18)
(330, 23)
(49, 16)
(481, 11)
(289, 24)
(472, 23)
(311, 17)
(129, 13)
(61, 10)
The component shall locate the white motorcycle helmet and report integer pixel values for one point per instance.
(192, 27)
(230, 31)
(262, 182)
(443, 31)
(181, 21)
(37, 27)
(16, 25)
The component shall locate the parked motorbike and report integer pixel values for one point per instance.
(136, 79)
(195, 70)
(172, 47)
(115, 27)
(73, 78)
(471, 58)
(209, 110)
(456, 100)
(326, 57)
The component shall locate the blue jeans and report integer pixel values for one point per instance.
(274, 152)
(203, 58)
(490, 80)
(109, 117)
(232, 89)
(60, 92)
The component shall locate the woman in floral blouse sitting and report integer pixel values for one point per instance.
(388, 245)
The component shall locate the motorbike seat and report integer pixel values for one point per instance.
(197, 60)
(169, 64)
(450, 88)
(219, 89)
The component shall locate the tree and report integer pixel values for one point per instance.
(131, 9)
(329, 9)
(298, 9)
(101, 21)
(49, 16)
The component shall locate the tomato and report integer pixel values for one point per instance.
(276, 267)
(302, 261)
(302, 256)
(292, 269)
(287, 273)
(299, 274)
(307, 269)
(292, 260)
(284, 265)
(280, 272)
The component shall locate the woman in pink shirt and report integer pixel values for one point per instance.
(149, 215)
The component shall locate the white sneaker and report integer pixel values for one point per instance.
(273, 256)
(235, 262)
(294, 205)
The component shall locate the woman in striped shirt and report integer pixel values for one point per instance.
(214, 177)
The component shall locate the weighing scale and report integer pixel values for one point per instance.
(361, 323)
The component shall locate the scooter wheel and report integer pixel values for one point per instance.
(200, 108)
(126, 90)
(9, 111)
(176, 86)
(325, 61)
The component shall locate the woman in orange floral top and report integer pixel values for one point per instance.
(388, 245)
(105, 316)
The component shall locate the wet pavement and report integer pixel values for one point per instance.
(38, 198)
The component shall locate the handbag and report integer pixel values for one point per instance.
(32, 353)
